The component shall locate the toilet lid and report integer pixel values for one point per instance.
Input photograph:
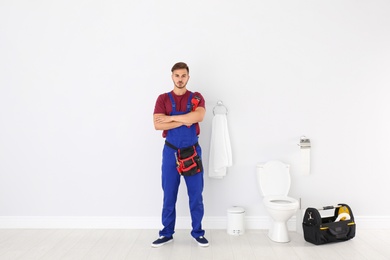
(274, 178)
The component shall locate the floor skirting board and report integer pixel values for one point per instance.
(94, 222)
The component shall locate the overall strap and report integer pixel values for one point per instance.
(189, 105)
(172, 101)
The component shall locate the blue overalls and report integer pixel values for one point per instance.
(181, 137)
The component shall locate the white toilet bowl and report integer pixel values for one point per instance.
(281, 209)
(274, 182)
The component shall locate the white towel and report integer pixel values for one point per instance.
(220, 148)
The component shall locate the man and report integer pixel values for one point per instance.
(178, 113)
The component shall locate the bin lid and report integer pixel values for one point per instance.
(236, 210)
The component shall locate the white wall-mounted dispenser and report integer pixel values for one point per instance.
(305, 146)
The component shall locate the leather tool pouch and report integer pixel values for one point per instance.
(188, 161)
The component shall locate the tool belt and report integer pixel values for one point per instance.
(187, 160)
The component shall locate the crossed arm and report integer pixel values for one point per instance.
(164, 122)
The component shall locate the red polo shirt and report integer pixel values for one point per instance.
(164, 105)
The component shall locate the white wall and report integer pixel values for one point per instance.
(79, 80)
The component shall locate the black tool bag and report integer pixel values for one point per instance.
(336, 228)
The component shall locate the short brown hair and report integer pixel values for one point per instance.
(180, 65)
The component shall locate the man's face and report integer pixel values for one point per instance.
(180, 78)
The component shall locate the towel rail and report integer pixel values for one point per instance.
(220, 104)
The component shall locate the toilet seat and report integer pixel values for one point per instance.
(281, 202)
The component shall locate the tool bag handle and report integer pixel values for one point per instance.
(329, 207)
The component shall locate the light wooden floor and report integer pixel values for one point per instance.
(53, 244)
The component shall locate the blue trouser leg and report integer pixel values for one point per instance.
(194, 190)
(170, 186)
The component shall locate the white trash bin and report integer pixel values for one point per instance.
(236, 221)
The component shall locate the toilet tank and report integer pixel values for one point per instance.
(274, 178)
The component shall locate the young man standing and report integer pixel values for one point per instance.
(178, 114)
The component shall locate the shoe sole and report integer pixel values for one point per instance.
(161, 244)
(200, 244)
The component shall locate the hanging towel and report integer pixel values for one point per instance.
(220, 148)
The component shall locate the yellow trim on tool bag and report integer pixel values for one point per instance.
(343, 209)
(348, 224)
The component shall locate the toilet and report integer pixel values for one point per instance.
(274, 182)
